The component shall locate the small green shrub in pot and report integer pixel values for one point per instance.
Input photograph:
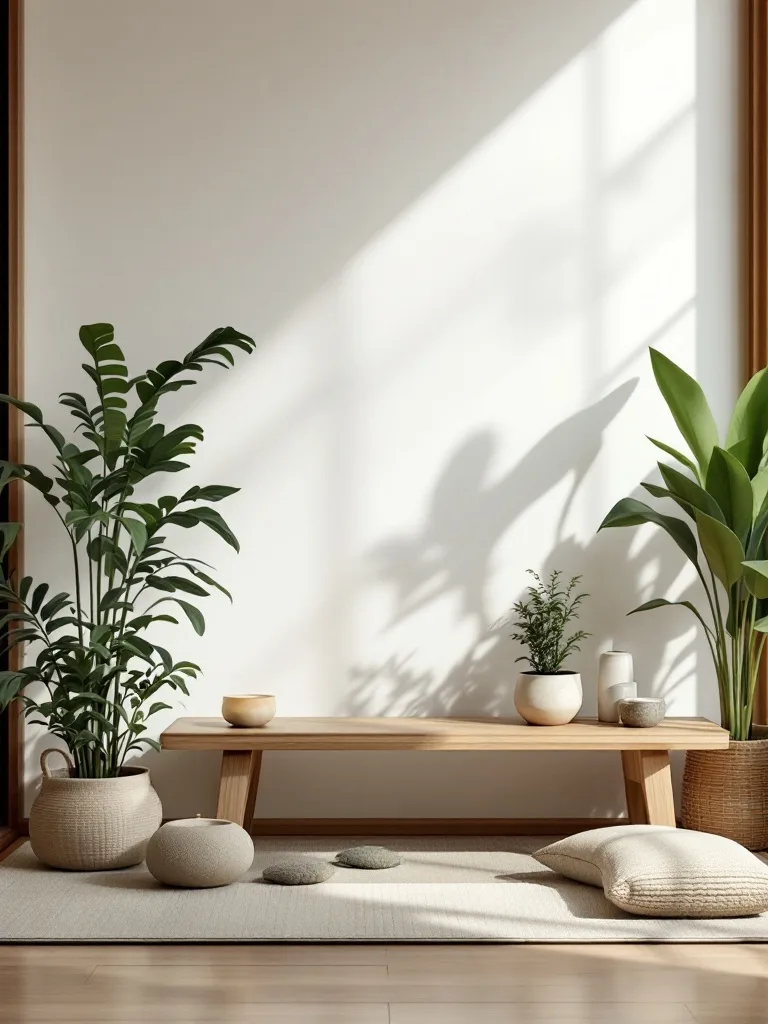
(721, 489)
(548, 694)
(90, 673)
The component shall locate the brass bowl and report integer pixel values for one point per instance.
(248, 710)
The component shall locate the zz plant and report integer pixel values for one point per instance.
(90, 674)
(722, 491)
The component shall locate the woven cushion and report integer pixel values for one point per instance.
(660, 871)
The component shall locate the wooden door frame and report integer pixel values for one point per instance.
(13, 722)
(755, 269)
(753, 111)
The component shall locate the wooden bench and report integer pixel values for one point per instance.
(644, 752)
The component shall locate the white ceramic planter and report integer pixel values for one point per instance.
(552, 699)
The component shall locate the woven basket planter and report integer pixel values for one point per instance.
(726, 791)
(92, 824)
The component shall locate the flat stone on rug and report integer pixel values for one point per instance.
(298, 871)
(372, 858)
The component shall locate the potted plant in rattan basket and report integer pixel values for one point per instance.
(722, 491)
(90, 673)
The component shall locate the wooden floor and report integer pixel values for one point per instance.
(659, 984)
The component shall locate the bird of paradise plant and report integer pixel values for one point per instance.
(723, 492)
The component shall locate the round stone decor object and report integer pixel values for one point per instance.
(642, 712)
(199, 853)
(298, 871)
(372, 858)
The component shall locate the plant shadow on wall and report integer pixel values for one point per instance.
(452, 555)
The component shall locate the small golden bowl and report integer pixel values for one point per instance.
(248, 710)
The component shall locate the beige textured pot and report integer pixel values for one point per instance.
(92, 824)
(199, 853)
(726, 791)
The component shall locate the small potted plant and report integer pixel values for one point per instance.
(548, 694)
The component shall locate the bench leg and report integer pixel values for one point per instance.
(648, 785)
(239, 785)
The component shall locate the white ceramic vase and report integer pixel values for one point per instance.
(615, 681)
(552, 699)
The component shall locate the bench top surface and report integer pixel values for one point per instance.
(440, 734)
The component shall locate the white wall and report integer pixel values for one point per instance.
(454, 227)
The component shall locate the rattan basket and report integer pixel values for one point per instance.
(726, 791)
(92, 824)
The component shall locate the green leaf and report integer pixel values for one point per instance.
(8, 532)
(631, 512)
(756, 578)
(38, 596)
(55, 605)
(213, 492)
(97, 339)
(682, 459)
(161, 380)
(194, 615)
(158, 706)
(11, 684)
(689, 493)
(688, 405)
(112, 598)
(96, 336)
(661, 602)
(211, 518)
(101, 633)
(33, 411)
(756, 538)
(64, 620)
(158, 583)
(759, 492)
(749, 422)
(209, 580)
(722, 549)
(179, 583)
(740, 451)
(138, 533)
(729, 485)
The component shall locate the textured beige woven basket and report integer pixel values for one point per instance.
(726, 791)
(92, 824)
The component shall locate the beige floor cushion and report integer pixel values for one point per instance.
(660, 871)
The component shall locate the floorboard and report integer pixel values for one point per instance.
(356, 984)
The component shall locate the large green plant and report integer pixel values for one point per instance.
(723, 490)
(90, 674)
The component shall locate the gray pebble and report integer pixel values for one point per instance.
(298, 871)
(371, 857)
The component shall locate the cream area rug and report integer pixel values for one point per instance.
(446, 890)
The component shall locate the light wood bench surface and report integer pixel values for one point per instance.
(644, 752)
